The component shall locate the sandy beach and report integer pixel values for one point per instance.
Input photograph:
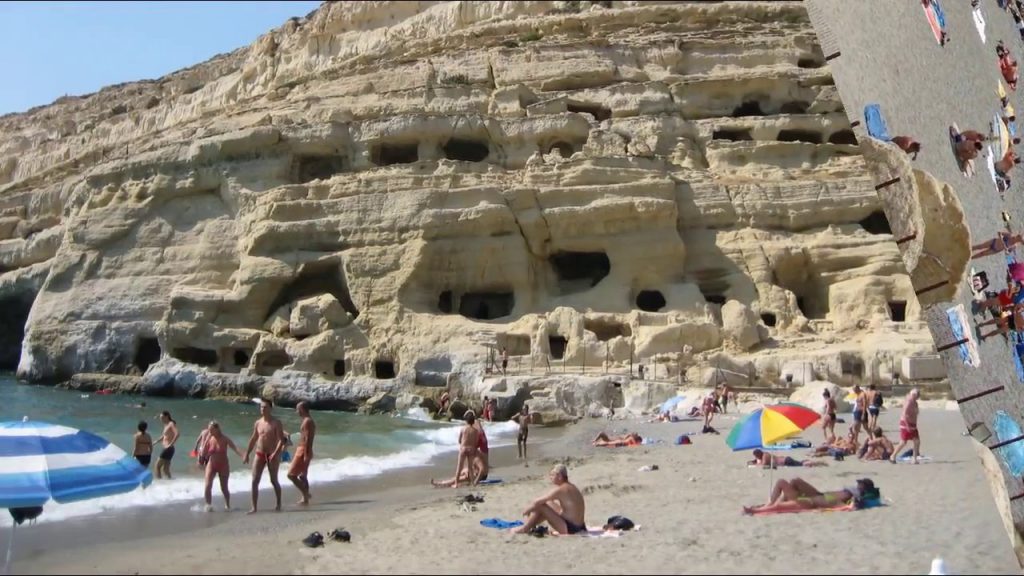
(689, 512)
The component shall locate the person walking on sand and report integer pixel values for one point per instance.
(873, 401)
(563, 508)
(268, 439)
(217, 464)
(523, 418)
(143, 450)
(469, 446)
(708, 409)
(168, 438)
(828, 417)
(908, 427)
(298, 473)
(859, 412)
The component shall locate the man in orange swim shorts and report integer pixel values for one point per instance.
(299, 470)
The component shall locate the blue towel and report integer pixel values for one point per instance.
(1007, 428)
(490, 481)
(958, 334)
(939, 14)
(499, 523)
(875, 123)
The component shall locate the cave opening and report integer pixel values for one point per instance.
(389, 153)
(467, 150)
(13, 316)
(269, 362)
(564, 148)
(339, 367)
(803, 280)
(486, 305)
(794, 135)
(732, 134)
(843, 137)
(715, 299)
(240, 358)
(810, 62)
(557, 345)
(306, 168)
(315, 278)
(199, 356)
(748, 108)
(599, 112)
(445, 302)
(795, 107)
(147, 353)
(577, 271)
(876, 223)
(650, 300)
(384, 369)
(605, 330)
(768, 318)
(852, 365)
(898, 310)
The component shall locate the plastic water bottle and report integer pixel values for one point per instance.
(938, 567)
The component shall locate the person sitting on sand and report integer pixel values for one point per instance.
(967, 150)
(630, 439)
(1006, 163)
(1003, 242)
(767, 460)
(907, 144)
(877, 446)
(562, 508)
(798, 494)
(972, 136)
(1007, 321)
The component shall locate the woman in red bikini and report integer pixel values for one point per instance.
(217, 464)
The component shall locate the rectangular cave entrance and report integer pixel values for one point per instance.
(599, 112)
(516, 344)
(147, 353)
(339, 367)
(307, 167)
(384, 369)
(388, 154)
(466, 150)
(579, 271)
(898, 310)
(198, 356)
(486, 305)
(269, 362)
(852, 365)
(793, 135)
(605, 330)
(234, 359)
(732, 134)
(13, 316)
(557, 346)
(798, 275)
(876, 223)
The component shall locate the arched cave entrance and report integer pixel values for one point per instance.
(557, 345)
(748, 108)
(147, 353)
(876, 223)
(566, 149)
(607, 329)
(269, 362)
(600, 113)
(578, 271)
(467, 150)
(339, 368)
(486, 305)
(650, 300)
(898, 310)
(795, 107)
(445, 302)
(315, 278)
(13, 316)
(768, 318)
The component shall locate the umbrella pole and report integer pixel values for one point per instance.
(771, 476)
(10, 548)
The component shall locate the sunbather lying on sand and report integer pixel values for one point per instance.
(798, 494)
(1008, 68)
(664, 417)
(631, 439)
(766, 460)
(845, 446)
(1006, 163)
(877, 447)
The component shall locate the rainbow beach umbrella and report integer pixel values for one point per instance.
(769, 424)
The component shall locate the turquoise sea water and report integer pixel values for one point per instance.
(347, 445)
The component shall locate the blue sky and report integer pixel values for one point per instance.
(55, 48)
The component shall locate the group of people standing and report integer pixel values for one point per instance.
(867, 405)
(268, 438)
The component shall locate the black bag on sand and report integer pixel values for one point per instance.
(619, 523)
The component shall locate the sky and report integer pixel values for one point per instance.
(55, 48)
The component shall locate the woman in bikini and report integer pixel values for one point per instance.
(216, 451)
(828, 417)
(797, 494)
(143, 451)
(1003, 242)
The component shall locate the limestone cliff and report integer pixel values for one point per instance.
(370, 197)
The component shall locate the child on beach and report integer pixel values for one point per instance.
(143, 450)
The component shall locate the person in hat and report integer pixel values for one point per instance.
(798, 494)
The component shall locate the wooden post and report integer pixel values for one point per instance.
(1006, 442)
(832, 56)
(886, 184)
(930, 288)
(945, 347)
(979, 394)
(906, 239)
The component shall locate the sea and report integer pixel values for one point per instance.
(347, 446)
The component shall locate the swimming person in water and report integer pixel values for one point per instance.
(268, 439)
(168, 437)
(217, 464)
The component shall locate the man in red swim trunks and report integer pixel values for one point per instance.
(908, 427)
(268, 439)
(298, 473)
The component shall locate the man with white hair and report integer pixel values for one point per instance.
(562, 508)
(908, 427)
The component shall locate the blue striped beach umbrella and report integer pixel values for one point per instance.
(40, 462)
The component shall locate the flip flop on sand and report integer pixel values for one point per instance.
(314, 540)
(340, 535)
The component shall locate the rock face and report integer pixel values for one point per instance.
(334, 213)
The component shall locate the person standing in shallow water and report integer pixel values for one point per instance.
(143, 450)
(298, 473)
(268, 439)
(217, 464)
(168, 437)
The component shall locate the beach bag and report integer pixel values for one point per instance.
(684, 439)
(619, 523)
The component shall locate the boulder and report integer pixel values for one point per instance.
(740, 325)
(379, 403)
(317, 314)
(810, 395)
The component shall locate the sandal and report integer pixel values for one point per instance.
(340, 535)
(314, 540)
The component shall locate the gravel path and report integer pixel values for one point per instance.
(889, 56)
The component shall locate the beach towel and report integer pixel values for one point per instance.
(932, 15)
(875, 123)
(1006, 428)
(910, 458)
(490, 481)
(958, 325)
(500, 524)
(841, 508)
(979, 23)
(793, 445)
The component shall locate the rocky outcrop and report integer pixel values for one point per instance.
(333, 213)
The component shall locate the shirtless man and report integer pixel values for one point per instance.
(168, 438)
(766, 460)
(523, 418)
(907, 144)
(562, 508)
(708, 408)
(268, 439)
(859, 411)
(504, 360)
(908, 427)
(967, 150)
(873, 400)
(298, 473)
(798, 494)
(1006, 163)
(469, 446)
(877, 447)
(828, 417)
